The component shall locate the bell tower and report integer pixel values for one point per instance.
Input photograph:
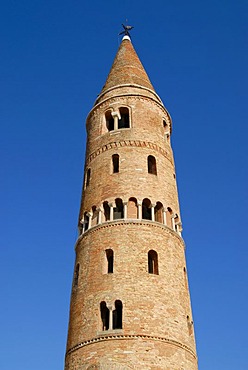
(130, 304)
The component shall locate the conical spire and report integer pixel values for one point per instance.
(127, 68)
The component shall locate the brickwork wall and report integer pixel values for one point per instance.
(145, 137)
(157, 330)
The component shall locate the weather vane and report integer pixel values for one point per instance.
(126, 30)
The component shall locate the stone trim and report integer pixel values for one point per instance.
(128, 337)
(132, 143)
(121, 222)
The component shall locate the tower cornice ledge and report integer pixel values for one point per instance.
(111, 336)
(122, 222)
(127, 85)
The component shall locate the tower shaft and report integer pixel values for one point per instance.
(130, 303)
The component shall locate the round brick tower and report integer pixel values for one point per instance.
(130, 304)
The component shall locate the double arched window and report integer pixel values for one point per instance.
(116, 311)
(118, 119)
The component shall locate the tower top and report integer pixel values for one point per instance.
(127, 70)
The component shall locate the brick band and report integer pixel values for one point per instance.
(125, 143)
(128, 337)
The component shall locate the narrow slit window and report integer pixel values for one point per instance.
(115, 163)
(151, 164)
(104, 316)
(110, 260)
(117, 315)
(123, 122)
(153, 262)
(88, 174)
(76, 276)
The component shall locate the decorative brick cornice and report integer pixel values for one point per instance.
(130, 337)
(122, 222)
(131, 143)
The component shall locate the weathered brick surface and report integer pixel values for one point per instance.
(157, 330)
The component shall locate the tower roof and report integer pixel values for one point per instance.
(127, 68)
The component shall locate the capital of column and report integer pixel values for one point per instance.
(116, 114)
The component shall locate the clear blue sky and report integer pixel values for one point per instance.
(55, 57)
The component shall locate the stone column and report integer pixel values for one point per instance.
(125, 210)
(179, 228)
(90, 217)
(164, 216)
(81, 227)
(173, 222)
(116, 116)
(99, 221)
(152, 211)
(110, 317)
(111, 216)
(139, 204)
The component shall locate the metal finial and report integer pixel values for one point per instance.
(126, 30)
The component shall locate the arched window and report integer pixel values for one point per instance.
(190, 325)
(177, 223)
(166, 130)
(115, 163)
(185, 277)
(118, 209)
(110, 260)
(86, 221)
(80, 228)
(132, 209)
(94, 220)
(153, 262)
(151, 164)
(109, 121)
(158, 210)
(169, 214)
(146, 209)
(88, 173)
(117, 315)
(76, 276)
(106, 210)
(123, 122)
(104, 315)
